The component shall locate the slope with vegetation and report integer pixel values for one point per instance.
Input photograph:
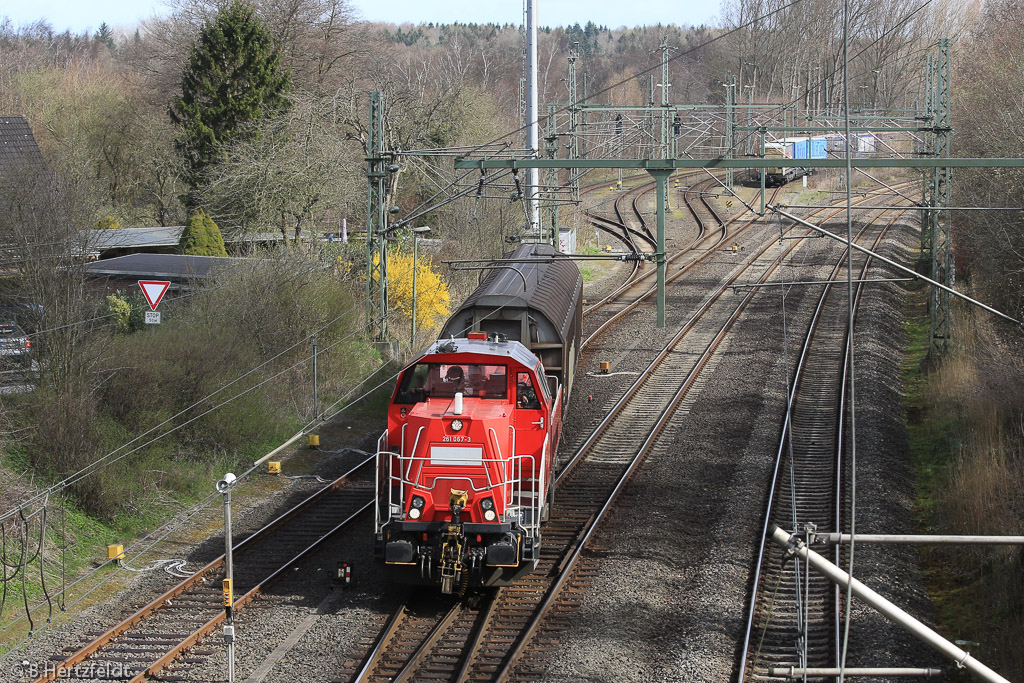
(151, 128)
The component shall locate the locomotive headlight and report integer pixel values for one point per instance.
(487, 504)
(416, 509)
(456, 425)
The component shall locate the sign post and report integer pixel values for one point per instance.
(154, 291)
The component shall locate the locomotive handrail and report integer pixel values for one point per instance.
(419, 482)
(512, 486)
(376, 481)
(415, 445)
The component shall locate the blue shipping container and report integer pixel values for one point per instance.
(819, 148)
(800, 148)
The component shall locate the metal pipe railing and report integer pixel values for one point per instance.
(961, 657)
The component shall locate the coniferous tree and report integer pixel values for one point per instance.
(105, 36)
(233, 76)
(201, 237)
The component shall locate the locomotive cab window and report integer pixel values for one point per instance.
(412, 387)
(444, 380)
(526, 393)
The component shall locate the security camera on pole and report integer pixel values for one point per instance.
(224, 487)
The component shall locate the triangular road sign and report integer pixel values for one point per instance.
(154, 291)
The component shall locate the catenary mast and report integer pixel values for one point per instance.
(532, 119)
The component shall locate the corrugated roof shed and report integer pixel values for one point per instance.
(126, 238)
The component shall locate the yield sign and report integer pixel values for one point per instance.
(154, 291)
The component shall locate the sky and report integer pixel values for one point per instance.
(80, 16)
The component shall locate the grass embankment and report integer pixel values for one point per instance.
(965, 417)
(224, 379)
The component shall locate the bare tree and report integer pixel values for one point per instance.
(298, 169)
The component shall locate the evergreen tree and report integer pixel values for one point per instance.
(201, 237)
(105, 36)
(233, 76)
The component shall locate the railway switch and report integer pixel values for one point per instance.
(313, 440)
(115, 551)
(605, 367)
(274, 467)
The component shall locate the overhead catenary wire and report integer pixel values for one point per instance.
(200, 505)
(420, 209)
(106, 459)
(850, 337)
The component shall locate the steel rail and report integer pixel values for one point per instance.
(639, 214)
(390, 631)
(632, 278)
(797, 381)
(633, 388)
(478, 637)
(654, 432)
(95, 645)
(435, 634)
(241, 602)
(676, 275)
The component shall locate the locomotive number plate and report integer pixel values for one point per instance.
(455, 439)
(456, 455)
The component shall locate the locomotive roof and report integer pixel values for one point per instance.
(509, 349)
(552, 286)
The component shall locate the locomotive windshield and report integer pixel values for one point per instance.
(444, 380)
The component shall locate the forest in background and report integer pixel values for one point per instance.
(100, 107)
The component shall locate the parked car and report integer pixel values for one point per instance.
(15, 346)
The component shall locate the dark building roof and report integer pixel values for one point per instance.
(18, 148)
(128, 239)
(175, 267)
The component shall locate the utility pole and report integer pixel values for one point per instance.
(316, 387)
(574, 126)
(942, 252)
(551, 176)
(666, 116)
(927, 197)
(224, 488)
(730, 126)
(583, 124)
(532, 116)
(376, 242)
(522, 112)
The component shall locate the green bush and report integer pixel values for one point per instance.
(245, 332)
(127, 312)
(108, 223)
(201, 237)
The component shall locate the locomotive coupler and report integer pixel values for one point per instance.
(454, 542)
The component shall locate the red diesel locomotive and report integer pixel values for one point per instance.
(465, 468)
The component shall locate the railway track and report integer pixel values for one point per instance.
(507, 612)
(712, 233)
(528, 616)
(794, 616)
(149, 642)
